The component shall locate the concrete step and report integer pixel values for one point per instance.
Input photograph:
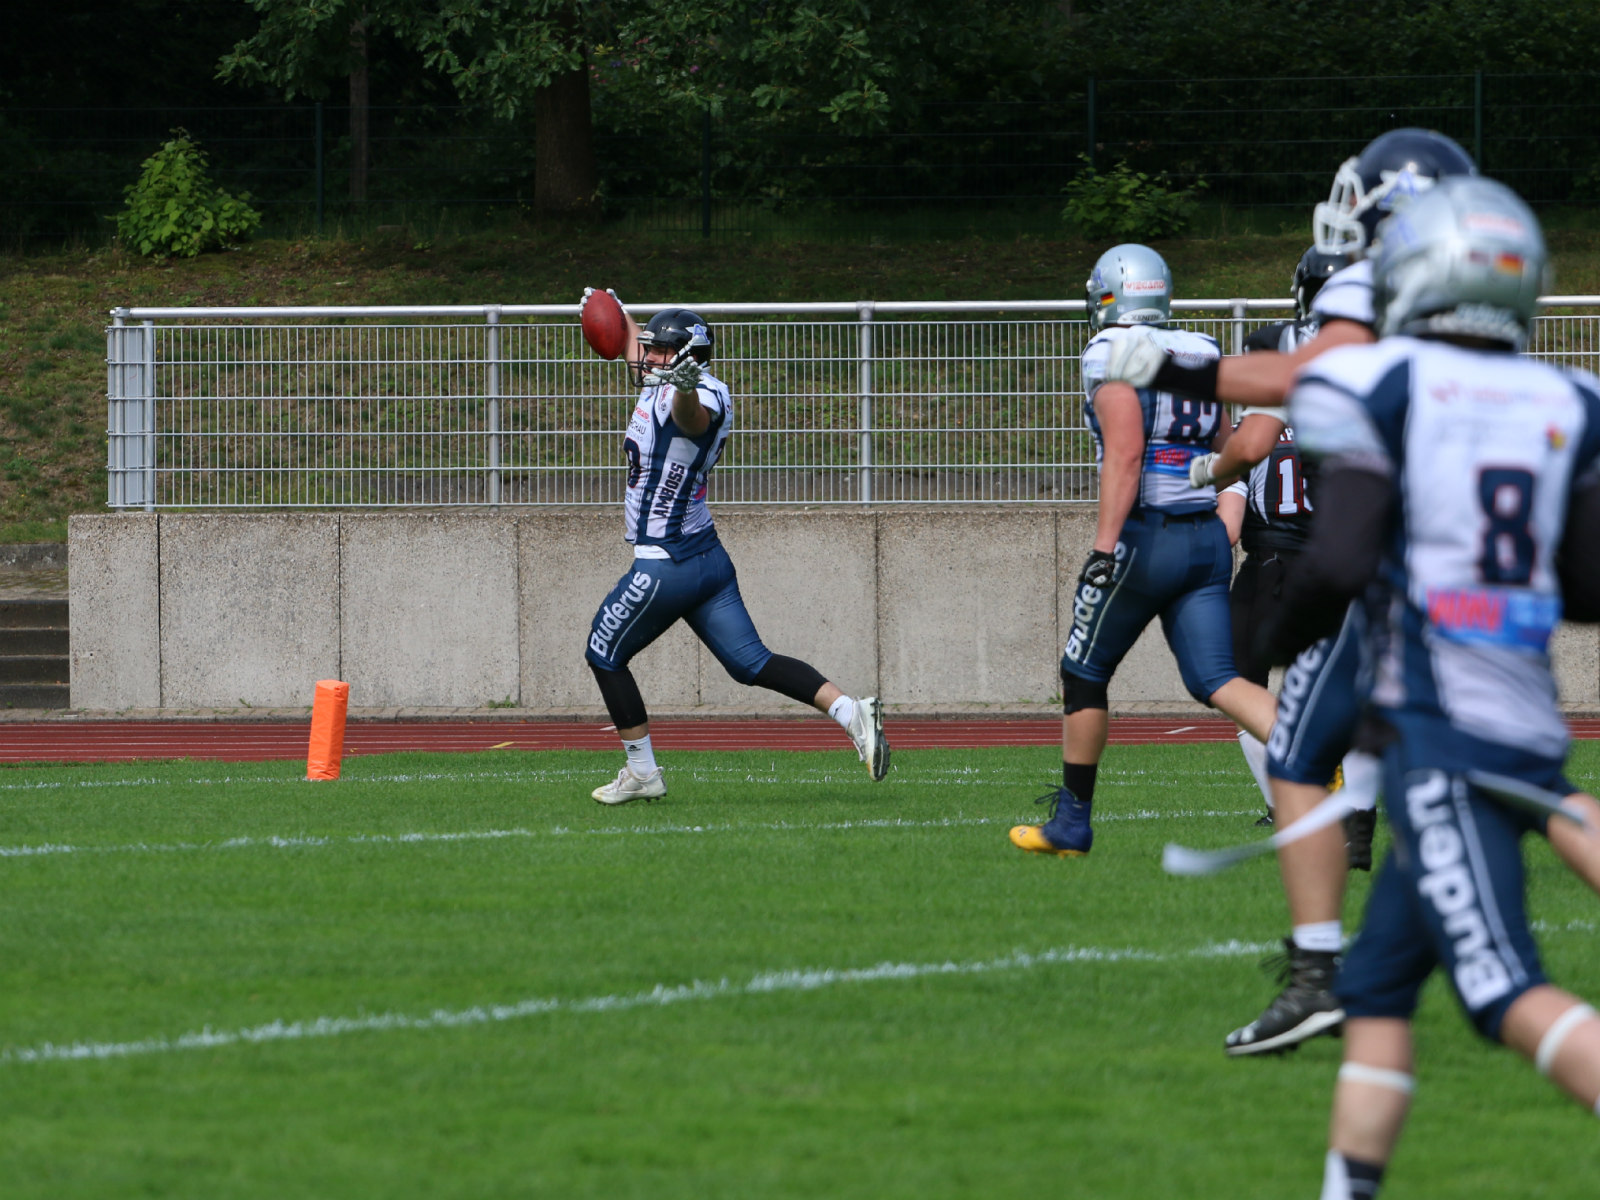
(33, 614)
(33, 641)
(35, 668)
(35, 695)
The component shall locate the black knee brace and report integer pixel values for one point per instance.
(1079, 694)
(621, 696)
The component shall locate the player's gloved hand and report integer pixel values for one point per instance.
(682, 373)
(1135, 358)
(1099, 570)
(1200, 470)
(589, 291)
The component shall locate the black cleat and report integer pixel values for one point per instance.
(1358, 829)
(1304, 1008)
(1265, 821)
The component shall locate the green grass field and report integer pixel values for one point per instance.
(456, 976)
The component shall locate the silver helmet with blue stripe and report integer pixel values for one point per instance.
(1465, 259)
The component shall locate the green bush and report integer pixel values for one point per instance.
(1127, 205)
(175, 208)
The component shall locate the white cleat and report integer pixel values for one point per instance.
(866, 731)
(628, 786)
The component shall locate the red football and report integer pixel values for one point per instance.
(605, 325)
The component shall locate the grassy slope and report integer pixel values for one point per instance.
(53, 308)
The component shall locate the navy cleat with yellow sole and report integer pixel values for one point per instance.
(1066, 833)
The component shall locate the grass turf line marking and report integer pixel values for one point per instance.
(659, 996)
(313, 842)
(1209, 778)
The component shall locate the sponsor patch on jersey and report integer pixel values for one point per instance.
(1506, 617)
(1171, 460)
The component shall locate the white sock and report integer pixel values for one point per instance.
(1335, 1182)
(641, 757)
(1327, 936)
(843, 710)
(1362, 776)
(1255, 756)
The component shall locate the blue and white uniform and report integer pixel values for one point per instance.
(1483, 450)
(680, 569)
(1319, 704)
(1173, 558)
(665, 506)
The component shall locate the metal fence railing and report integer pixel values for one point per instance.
(834, 403)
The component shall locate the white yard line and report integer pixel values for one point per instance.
(306, 841)
(778, 777)
(659, 996)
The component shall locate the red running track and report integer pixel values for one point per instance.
(254, 741)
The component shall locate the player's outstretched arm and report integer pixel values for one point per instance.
(1253, 439)
(1265, 379)
(1258, 380)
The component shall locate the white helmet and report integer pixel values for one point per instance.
(1465, 259)
(1130, 285)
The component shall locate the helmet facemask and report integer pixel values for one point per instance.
(678, 331)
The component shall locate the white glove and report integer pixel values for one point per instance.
(1135, 358)
(589, 291)
(682, 373)
(1200, 470)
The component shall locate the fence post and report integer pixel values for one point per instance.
(864, 314)
(147, 409)
(319, 168)
(705, 175)
(492, 352)
(130, 415)
(116, 347)
(1240, 308)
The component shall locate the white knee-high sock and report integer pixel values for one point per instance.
(1362, 776)
(1255, 755)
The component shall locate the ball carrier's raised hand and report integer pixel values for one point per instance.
(680, 569)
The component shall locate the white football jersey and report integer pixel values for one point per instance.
(665, 505)
(1347, 296)
(1483, 448)
(1177, 428)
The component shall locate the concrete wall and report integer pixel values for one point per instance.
(934, 609)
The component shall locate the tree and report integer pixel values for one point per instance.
(845, 62)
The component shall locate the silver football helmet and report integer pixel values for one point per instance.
(1130, 285)
(1467, 259)
(1393, 169)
